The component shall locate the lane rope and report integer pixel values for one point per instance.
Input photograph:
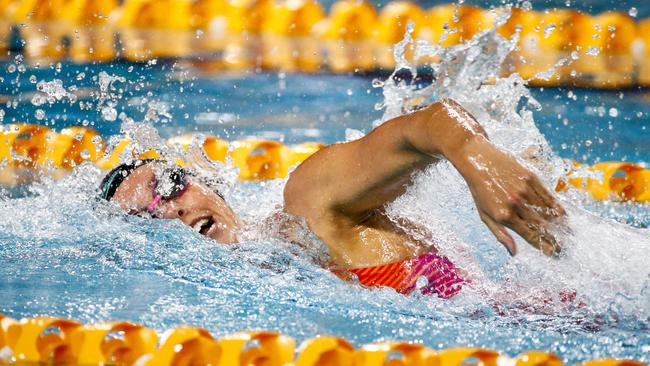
(58, 341)
(607, 50)
(28, 151)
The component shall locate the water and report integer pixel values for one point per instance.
(589, 6)
(64, 253)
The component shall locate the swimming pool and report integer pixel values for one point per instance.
(63, 253)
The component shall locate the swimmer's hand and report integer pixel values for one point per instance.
(508, 195)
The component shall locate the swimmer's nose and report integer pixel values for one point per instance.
(184, 217)
(172, 211)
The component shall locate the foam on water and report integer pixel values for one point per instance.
(66, 253)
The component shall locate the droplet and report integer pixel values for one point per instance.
(421, 282)
(613, 112)
(39, 114)
(588, 143)
(109, 114)
(351, 134)
(633, 12)
(593, 51)
(349, 92)
(548, 30)
(376, 83)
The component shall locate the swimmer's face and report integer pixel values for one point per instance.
(197, 206)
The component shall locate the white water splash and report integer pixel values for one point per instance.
(50, 92)
(108, 95)
(604, 263)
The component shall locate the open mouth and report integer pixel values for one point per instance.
(203, 225)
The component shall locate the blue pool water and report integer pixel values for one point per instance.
(297, 107)
(64, 253)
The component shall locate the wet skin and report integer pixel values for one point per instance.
(197, 206)
(342, 189)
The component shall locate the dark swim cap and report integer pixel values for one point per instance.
(115, 177)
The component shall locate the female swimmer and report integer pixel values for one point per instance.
(342, 189)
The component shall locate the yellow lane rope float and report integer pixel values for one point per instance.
(56, 341)
(608, 50)
(28, 148)
(611, 180)
(27, 151)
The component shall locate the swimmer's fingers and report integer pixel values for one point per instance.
(533, 228)
(541, 210)
(549, 206)
(500, 232)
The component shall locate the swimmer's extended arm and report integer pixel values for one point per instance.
(338, 188)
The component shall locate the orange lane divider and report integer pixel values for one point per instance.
(401, 353)
(56, 341)
(325, 350)
(41, 339)
(617, 181)
(112, 342)
(608, 50)
(185, 346)
(28, 151)
(256, 348)
(348, 19)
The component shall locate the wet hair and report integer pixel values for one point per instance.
(117, 176)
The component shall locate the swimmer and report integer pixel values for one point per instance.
(341, 191)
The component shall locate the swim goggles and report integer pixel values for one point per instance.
(167, 185)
